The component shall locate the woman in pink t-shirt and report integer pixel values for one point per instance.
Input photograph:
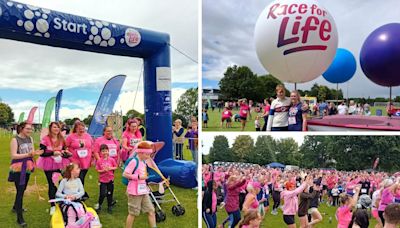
(226, 116)
(130, 138)
(79, 143)
(344, 213)
(54, 159)
(111, 142)
(243, 112)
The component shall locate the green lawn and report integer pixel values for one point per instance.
(215, 120)
(272, 221)
(35, 199)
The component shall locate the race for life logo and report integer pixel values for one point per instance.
(132, 37)
(298, 22)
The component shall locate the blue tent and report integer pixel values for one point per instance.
(276, 165)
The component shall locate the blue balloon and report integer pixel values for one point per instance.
(380, 55)
(342, 68)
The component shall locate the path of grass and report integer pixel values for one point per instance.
(38, 217)
(215, 120)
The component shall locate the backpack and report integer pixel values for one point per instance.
(124, 179)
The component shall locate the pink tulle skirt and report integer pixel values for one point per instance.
(49, 163)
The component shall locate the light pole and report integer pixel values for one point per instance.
(39, 110)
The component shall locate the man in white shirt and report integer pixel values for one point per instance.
(342, 109)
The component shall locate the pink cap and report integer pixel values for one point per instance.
(256, 184)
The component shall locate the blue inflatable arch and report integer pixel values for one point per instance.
(32, 24)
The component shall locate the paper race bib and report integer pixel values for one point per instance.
(113, 152)
(142, 189)
(363, 190)
(82, 153)
(292, 120)
(244, 111)
(57, 159)
(134, 142)
(226, 112)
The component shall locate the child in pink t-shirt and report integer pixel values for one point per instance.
(343, 213)
(138, 192)
(226, 116)
(106, 167)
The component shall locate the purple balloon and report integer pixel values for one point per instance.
(380, 55)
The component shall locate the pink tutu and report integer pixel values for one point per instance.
(49, 163)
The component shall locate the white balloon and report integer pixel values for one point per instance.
(296, 41)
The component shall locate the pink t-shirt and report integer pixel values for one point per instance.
(226, 114)
(244, 110)
(102, 164)
(132, 140)
(135, 185)
(386, 199)
(343, 215)
(113, 146)
(214, 202)
(81, 149)
(267, 108)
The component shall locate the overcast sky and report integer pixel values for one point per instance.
(228, 28)
(29, 72)
(209, 139)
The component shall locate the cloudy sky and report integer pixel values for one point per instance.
(208, 141)
(228, 28)
(31, 74)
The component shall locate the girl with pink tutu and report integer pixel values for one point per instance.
(54, 159)
(79, 143)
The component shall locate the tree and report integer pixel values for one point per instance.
(6, 114)
(242, 147)
(87, 120)
(131, 114)
(238, 82)
(220, 150)
(71, 122)
(187, 104)
(264, 150)
(287, 151)
(265, 87)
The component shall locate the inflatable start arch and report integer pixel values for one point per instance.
(37, 25)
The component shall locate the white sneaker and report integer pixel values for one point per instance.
(96, 206)
(52, 210)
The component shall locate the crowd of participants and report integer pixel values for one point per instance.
(280, 113)
(248, 194)
(68, 155)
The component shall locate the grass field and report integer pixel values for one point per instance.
(274, 221)
(35, 199)
(215, 120)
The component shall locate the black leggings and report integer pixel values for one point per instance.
(106, 190)
(20, 193)
(264, 128)
(380, 213)
(52, 188)
(276, 197)
(82, 176)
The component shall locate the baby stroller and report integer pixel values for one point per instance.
(88, 218)
(158, 184)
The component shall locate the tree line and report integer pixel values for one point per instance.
(340, 152)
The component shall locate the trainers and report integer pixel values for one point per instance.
(52, 210)
(98, 210)
(113, 203)
(109, 210)
(96, 206)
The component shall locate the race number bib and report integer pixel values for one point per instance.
(57, 159)
(226, 112)
(292, 120)
(113, 152)
(82, 153)
(134, 142)
(363, 190)
(244, 112)
(142, 189)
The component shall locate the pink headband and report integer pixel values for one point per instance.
(146, 151)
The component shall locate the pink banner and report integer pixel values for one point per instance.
(31, 115)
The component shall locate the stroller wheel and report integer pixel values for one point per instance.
(160, 216)
(175, 210)
(181, 210)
